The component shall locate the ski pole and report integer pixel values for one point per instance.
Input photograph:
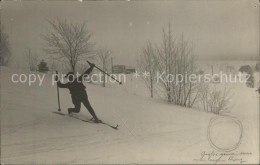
(106, 74)
(58, 93)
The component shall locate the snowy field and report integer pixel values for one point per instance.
(150, 131)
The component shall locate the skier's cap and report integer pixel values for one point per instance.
(68, 74)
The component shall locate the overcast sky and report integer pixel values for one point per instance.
(216, 28)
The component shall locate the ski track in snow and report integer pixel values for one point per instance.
(150, 131)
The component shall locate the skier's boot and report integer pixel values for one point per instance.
(70, 110)
(96, 120)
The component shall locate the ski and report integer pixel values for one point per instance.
(89, 121)
(63, 114)
(114, 127)
(59, 113)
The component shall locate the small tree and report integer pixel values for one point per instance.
(32, 60)
(103, 56)
(214, 100)
(147, 65)
(175, 57)
(257, 67)
(5, 52)
(68, 41)
(54, 65)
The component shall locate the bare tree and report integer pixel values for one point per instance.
(148, 65)
(32, 60)
(5, 52)
(175, 58)
(175, 63)
(214, 99)
(103, 57)
(68, 41)
(166, 53)
(54, 65)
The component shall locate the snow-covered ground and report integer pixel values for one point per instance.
(150, 131)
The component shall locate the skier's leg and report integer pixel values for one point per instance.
(70, 110)
(90, 109)
(77, 107)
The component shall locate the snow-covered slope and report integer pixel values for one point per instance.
(150, 131)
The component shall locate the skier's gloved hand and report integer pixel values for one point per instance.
(91, 64)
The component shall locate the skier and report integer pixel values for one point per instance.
(78, 92)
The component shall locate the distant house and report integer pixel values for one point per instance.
(129, 70)
(122, 69)
(42, 67)
(118, 69)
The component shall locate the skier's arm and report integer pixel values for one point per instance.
(87, 71)
(60, 85)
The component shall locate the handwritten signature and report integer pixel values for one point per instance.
(223, 157)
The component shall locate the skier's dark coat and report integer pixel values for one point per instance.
(77, 89)
(78, 93)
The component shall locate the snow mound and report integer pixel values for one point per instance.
(150, 131)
